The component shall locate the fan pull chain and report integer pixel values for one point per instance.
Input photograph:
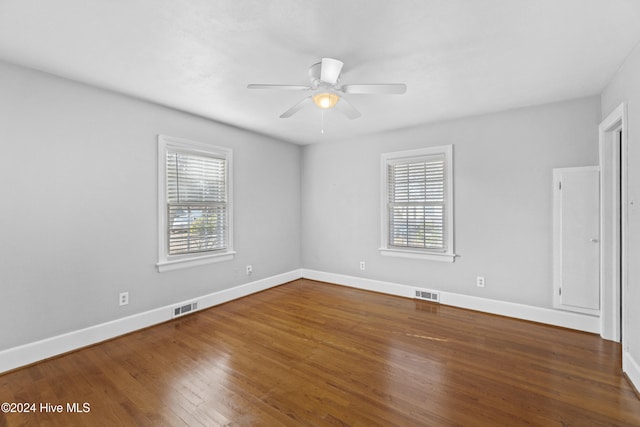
(322, 127)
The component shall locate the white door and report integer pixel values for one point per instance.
(577, 239)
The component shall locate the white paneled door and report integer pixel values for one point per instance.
(577, 239)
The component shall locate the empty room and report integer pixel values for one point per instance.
(352, 213)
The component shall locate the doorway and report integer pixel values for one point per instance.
(613, 225)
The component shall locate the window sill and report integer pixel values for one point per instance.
(428, 256)
(175, 264)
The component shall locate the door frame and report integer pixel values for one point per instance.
(613, 225)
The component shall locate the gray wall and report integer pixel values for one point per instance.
(625, 87)
(78, 222)
(503, 200)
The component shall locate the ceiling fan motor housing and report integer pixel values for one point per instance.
(315, 75)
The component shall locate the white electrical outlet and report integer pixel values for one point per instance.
(363, 265)
(480, 282)
(249, 270)
(124, 298)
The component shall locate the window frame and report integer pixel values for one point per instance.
(167, 262)
(386, 249)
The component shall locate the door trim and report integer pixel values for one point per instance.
(613, 284)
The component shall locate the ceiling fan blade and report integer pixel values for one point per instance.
(330, 71)
(278, 87)
(389, 88)
(347, 109)
(299, 106)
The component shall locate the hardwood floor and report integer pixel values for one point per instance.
(309, 353)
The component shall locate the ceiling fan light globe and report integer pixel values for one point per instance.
(326, 100)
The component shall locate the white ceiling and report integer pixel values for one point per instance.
(457, 57)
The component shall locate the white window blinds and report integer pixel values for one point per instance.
(197, 211)
(417, 202)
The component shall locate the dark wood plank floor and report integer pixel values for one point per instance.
(308, 353)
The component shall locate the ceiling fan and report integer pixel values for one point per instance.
(326, 93)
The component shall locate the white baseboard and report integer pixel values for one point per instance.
(565, 319)
(16, 357)
(632, 368)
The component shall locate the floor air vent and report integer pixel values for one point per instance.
(184, 309)
(428, 295)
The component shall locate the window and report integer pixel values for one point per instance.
(417, 211)
(195, 209)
